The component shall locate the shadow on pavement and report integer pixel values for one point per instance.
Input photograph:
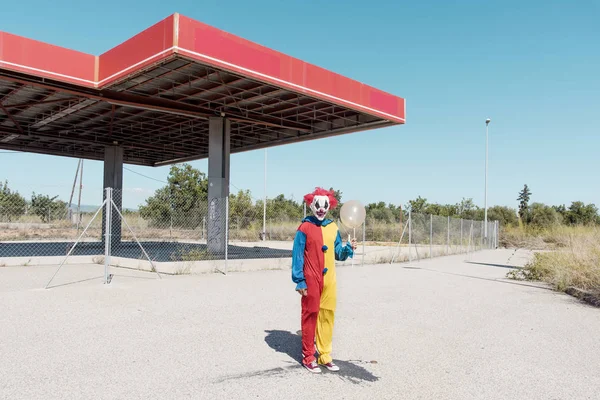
(495, 265)
(497, 280)
(291, 344)
(157, 251)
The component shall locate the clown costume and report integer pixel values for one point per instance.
(317, 246)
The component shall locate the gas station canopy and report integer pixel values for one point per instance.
(153, 96)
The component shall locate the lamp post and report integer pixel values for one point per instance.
(264, 238)
(485, 225)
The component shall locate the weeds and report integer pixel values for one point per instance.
(533, 238)
(573, 262)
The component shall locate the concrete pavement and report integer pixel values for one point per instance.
(436, 329)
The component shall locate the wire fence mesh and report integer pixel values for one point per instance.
(180, 233)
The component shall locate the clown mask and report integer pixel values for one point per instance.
(321, 201)
(320, 207)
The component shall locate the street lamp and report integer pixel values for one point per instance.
(485, 224)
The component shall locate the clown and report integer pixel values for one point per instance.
(317, 246)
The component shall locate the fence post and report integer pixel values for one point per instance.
(226, 232)
(481, 235)
(430, 235)
(363, 243)
(107, 232)
(448, 240)
(409, 235)
(461, 235)
(171, 206)
(496, 233)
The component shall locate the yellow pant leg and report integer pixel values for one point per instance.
(324, 335)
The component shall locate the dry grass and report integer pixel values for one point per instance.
(542, 239)
(574, 259)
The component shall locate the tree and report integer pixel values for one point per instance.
(182, 202)
(543, 216)
(398, 213)
(282, 209)
(335, 213)
(466, 209)
(417, 205)
(12, 204)
(380, 212)
(523, 198)
(504, 215)
(444, 210)
(581, 214)
(562, 211)
(241, 210)
(47, 208)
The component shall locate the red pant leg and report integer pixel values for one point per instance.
(310, 312)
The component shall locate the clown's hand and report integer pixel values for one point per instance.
(302, 292)
(352, 242)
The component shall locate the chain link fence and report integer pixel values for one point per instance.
(188, 234)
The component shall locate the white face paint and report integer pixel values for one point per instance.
(320, 207)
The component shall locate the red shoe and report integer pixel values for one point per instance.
(312, 367)
(331, 366)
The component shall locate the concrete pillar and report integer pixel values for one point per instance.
(218, 182)
(113, 178)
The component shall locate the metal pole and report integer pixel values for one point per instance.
(430, 235)
(497, 233)
(353, 237)
(304, 204)
(363, 242)
(74, 183)
(265, 202)
(76, 242)
(171, 217)
(470, 240)
(107, 232)
(481, 237)
(226, 232)
(485, 234)
(135, 238)
(409, 235)
(448, 240)
(79, 201)
(461, 234)
(400, 241)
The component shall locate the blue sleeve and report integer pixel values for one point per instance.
(342, 252)
(298, 260)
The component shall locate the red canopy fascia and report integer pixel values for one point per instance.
(180, 35)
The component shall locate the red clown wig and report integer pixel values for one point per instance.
(322, 192)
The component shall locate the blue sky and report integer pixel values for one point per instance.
(532, 67)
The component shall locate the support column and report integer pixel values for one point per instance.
(113, 178)
(218, 182)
